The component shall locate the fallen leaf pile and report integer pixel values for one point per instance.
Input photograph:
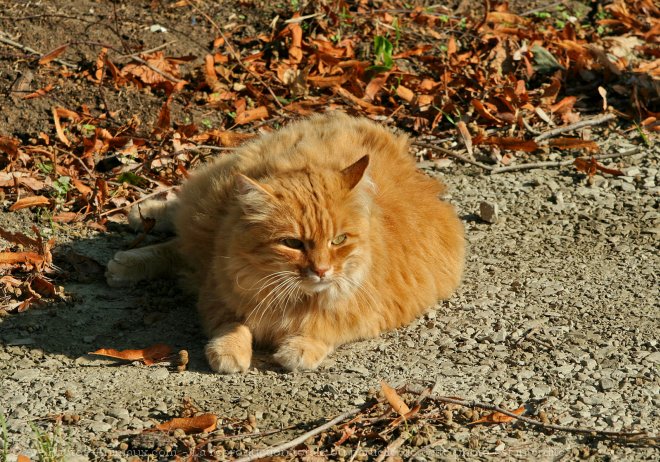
(491, 79)
(24, 270)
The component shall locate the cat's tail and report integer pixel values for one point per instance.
(161, 211)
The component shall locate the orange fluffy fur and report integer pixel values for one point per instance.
(263, 231)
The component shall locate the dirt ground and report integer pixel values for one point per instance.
(558, 310)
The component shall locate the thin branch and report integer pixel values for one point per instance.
(450, 153)
(483, 20)
(527, 420)
(237, 56)
(301, 439)
(393, 448)
(6, 40)
(576, 126)
(151, 50)
(142, 199)
(564, 163)
(208, 146)
(302, 18)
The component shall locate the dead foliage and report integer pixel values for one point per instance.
(491, 78)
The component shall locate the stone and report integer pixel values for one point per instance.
(100, 427)
(627, 187)
(26, 375)
(631, 171)
(607, 384)
(119, 413)
(489, 212)
(159, 374)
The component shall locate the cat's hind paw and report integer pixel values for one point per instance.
(297, 353)
(232, 352)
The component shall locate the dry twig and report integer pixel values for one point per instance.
(4, 38)
(576, 126)
(393, 448)
(142, 199)
(527, 420)
(450, 153)
(301, 439)
(563, 163)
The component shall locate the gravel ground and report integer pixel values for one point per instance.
(559, 307)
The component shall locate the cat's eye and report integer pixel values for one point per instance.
(339, 239)
(293, 243)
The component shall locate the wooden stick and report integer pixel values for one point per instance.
(527, 420)
(144, 198)
(562, 163)
(450, 153)
(4, 39)
(393, 448)
(576, 126)
(301, 439)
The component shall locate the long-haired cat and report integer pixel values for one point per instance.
(316, 235)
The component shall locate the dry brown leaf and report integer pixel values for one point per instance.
(328, 81)
(19, 238)
(59, 129)
(163, 123)
(30, 201)
(404, 93)
(250, 115)
(203, 423)
(148, 356)
(51, 55)
(500, 17)
(498, 417)
(9, 146)
(514, 144)
(295, 50)
(65, 217)
(451, 46)
(590, 166)
(370, 108)
(573, 143)
(375, 85)
(484, 112)
(40, 92)
(146, 74)
(465, 134)
(13, 258)
(394, 399)
(45, 288)
(85, 190)
(222, 138)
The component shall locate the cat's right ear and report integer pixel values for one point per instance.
(246, 185)
(253, 196)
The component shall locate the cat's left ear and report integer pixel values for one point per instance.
(354, 173)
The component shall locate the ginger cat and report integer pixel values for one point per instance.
(313, 236)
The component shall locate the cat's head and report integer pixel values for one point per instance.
(305, 232)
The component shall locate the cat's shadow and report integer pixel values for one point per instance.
(96, 316)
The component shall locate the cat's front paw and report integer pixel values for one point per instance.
(301, 353)
(124, 269)
(231, 352)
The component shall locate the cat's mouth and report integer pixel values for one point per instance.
(314, 286)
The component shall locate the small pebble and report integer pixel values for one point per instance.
(489, 212)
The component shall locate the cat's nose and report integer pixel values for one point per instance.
(320, 271)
